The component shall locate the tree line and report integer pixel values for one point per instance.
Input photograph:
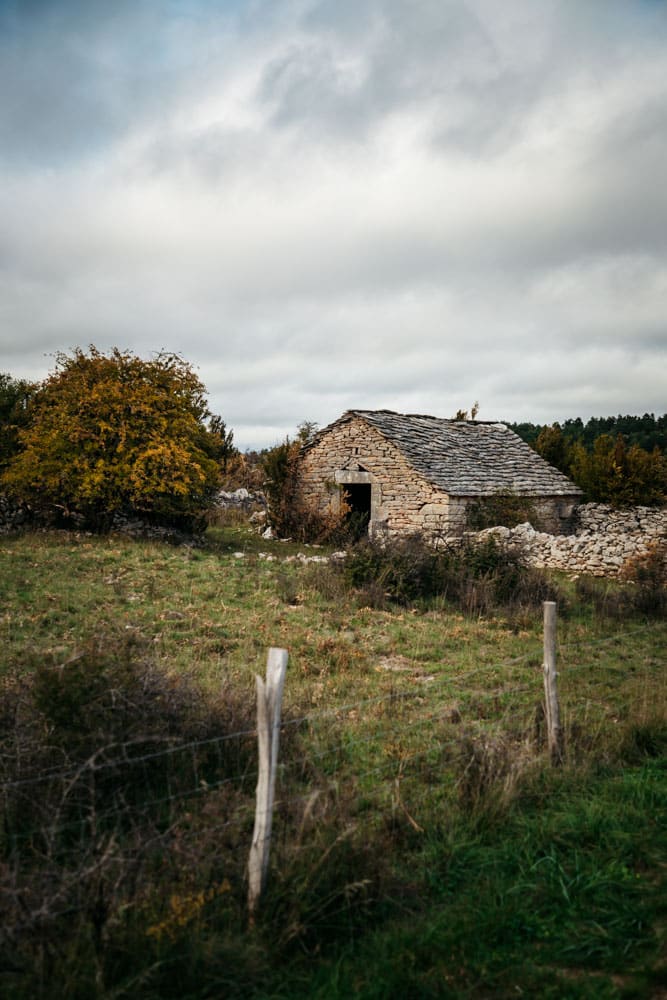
(648, 432)
(618, 460)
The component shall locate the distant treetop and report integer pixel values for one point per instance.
(619, 460)
(648, 431)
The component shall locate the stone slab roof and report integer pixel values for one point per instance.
(466, 457)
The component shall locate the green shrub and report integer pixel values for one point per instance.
(477, 577)
(502, 508)
(403, 570)
(620, 475)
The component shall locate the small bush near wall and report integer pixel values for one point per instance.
(643, 587)
(648, 572)
(477, 577)
(290, 517)
(502, 508)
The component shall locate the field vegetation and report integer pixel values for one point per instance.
(423, 844)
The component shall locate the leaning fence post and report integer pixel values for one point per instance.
(552, 707)
(269, 701)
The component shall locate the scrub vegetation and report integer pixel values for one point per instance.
(423, 845)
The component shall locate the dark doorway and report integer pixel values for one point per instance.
(358, 498)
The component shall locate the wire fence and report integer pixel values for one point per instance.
(124, 800)
(127, 754)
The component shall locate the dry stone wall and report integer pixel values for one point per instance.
(603, 541)
(12, 515)
(16, 517)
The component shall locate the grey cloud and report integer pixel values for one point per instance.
(351, 69)
(77, 76)
(214, 155)
(58, 90)
(479, 70)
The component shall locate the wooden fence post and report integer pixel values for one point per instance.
(552, 707)
(269, 702)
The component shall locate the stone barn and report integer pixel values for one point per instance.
(405, 473)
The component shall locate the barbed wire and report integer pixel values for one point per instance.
(131, 761)
(93, 766)
(452, 683)
(608, 638)
(205, 786)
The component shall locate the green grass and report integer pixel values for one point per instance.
(423, 846)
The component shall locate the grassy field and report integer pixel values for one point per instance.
(423, 845)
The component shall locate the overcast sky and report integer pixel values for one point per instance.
(328, 204)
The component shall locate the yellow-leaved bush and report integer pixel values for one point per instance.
(113, 433)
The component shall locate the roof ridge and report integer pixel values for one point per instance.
(430, 416)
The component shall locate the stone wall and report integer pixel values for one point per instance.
(12, 515)
(241, 499)
(602, 543)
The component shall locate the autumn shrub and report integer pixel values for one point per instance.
(278, 465)
(109, 434)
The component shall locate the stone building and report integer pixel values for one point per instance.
(408, 473)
